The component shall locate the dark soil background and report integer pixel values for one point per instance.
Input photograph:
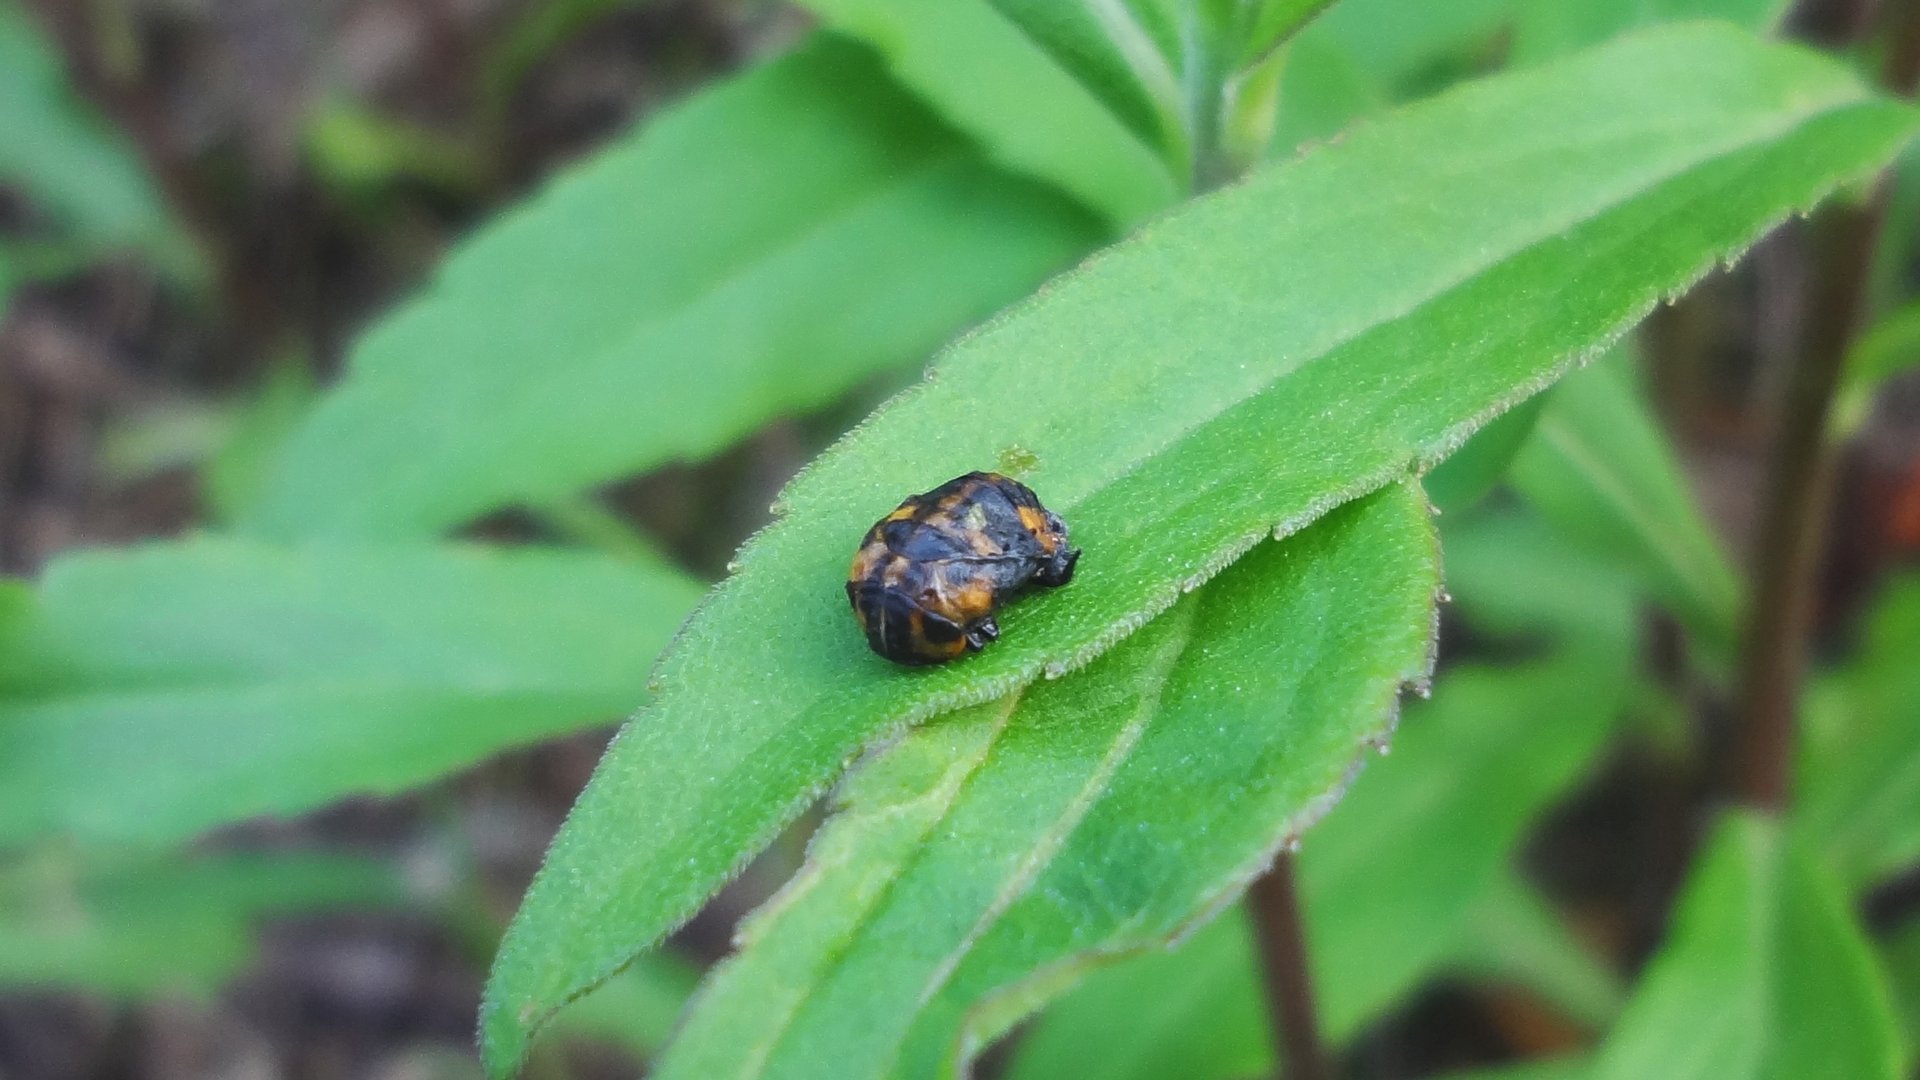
(220, 94)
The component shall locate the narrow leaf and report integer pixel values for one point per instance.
(1859, 793)
(167, 689)
(1515, 936)
(66, 159)
(1765, 974)
(185, 926)
(1602, 471)
(1128, 53)
(752, 252)
(1890, 349)
(1235, 370)
(986, 857)
(1030, 115)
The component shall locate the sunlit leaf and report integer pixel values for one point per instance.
(1235, 370)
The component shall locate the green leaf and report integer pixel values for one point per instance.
(1173, 71)
(236, 476)
(1543, 30)
(1600, 469)
(980, 862)
(1472, 769)
(1888, 350)
(1196, 1012)
(1027, 112)
(1229, 373)
(167, 689)
(1477, 467)
(637, 1008)
(1764, 974)
(752, 252)
(1899, 956)
(1127, 53)
(1858, 802)
(1514, 936)
(57, 151)
(182, 926)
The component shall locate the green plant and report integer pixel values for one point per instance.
(1235, 403)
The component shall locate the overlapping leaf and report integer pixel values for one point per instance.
(1764, 974)
(982, 860)
(156, 692)
(754, 251)
(1243, 365)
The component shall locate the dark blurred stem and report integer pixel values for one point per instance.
(1798, 481)
(1283, 957)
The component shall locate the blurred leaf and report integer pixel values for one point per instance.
(1900, 959)
(1168, 69)
(1196, 1012)
(1513, 935)
(166, 689)
(1600, 469)
(637, 1008)
(1764, 974)
(1564, 1068)
(357, 150)
(752, 252)
(1547, 29)
(1393, 878)
(1514, 576)
(538, 30)
(980, 863)
(1890, 349)
(1859, 794)
(183, 926)
(236, 477)
(991, 81)
(57, 151)
(1478, 466)
(1231, 372)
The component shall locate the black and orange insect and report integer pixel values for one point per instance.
(930, 577)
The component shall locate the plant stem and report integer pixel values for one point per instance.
(1799, 473)
(1283, 959)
